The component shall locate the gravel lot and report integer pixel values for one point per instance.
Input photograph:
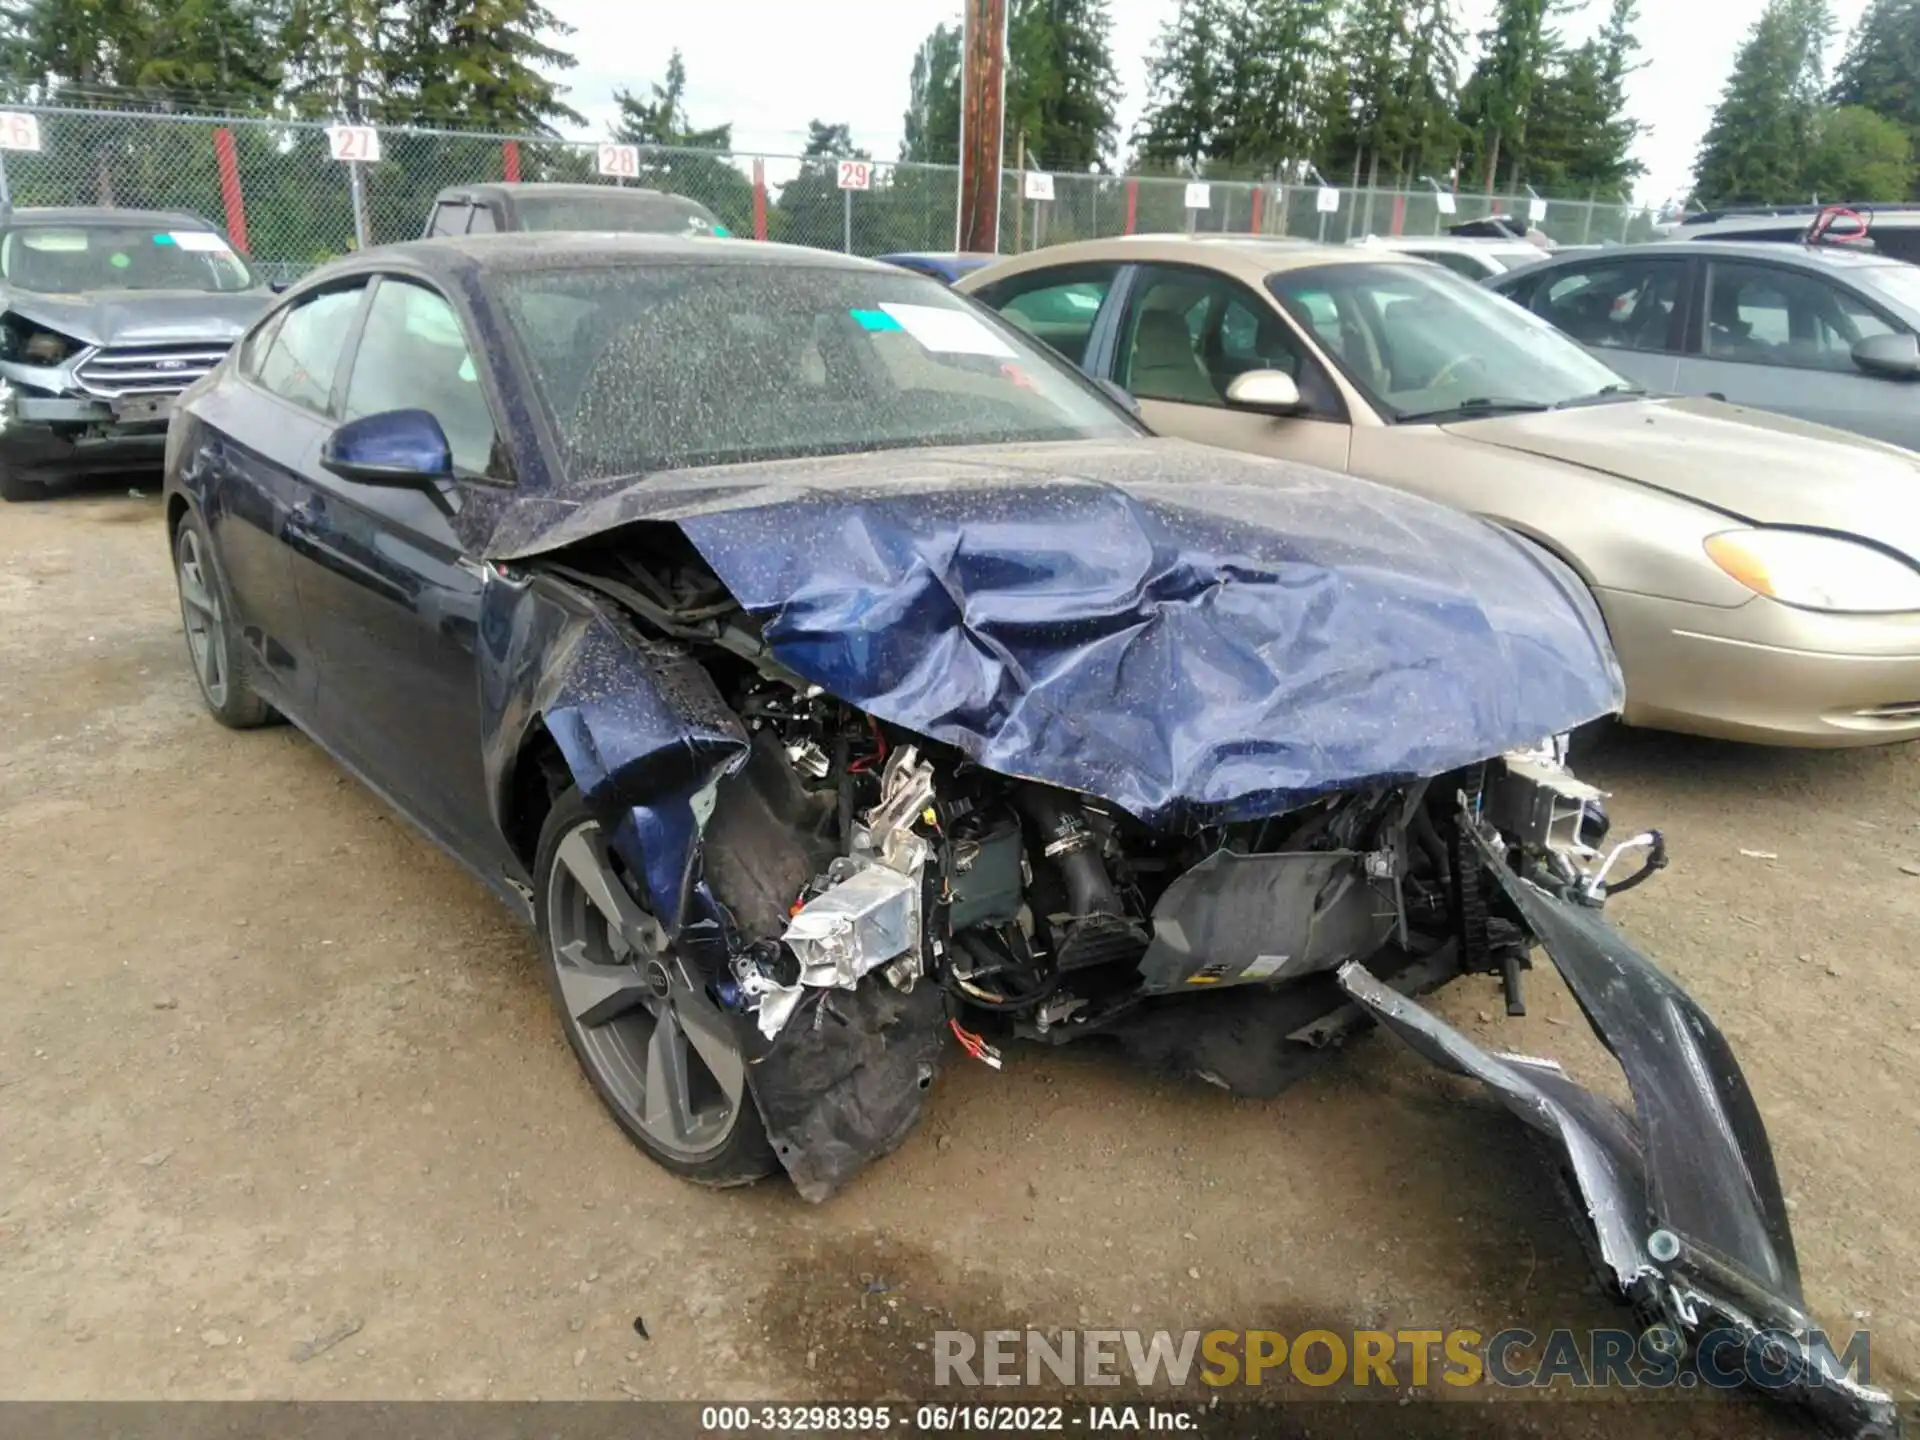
(271, 1066)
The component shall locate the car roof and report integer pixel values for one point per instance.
(508, 189)
(1468, 243)
(558, 249)
(102, 215)
(1806, 257)
(1253, 257)
(1769, 217)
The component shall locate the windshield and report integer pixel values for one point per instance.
(652, 367)
(617, 211)
(72, 259)
(1900, 284)
(1425, 344)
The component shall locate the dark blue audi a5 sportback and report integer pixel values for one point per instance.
(839, 682)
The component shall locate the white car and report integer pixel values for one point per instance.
(1477, 259)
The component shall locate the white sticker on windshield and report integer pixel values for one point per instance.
(200, 240)
(948, 332)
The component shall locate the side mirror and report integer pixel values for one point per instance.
(278, 287)
(1270, 390)
(1120, 397)
(1895, 357)
(402, 449)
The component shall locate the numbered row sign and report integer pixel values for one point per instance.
(621, 162)
(19, 132)
(856, 174)
(359, 143)
(1039, 185)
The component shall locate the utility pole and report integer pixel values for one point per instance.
(983, 83)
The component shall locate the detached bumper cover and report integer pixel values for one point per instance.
(1682, 1199)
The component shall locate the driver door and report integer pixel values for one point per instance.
(393, 601)
(1188, 333)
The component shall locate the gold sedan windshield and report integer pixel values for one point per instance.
(1426, 345)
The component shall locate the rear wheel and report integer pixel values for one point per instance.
(14, 489)
(664, 1058)
(218, 662)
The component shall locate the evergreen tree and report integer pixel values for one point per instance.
(1184, 83)
(1374, 45)
(931, 128)
(1278, 55)
(1859, 155)
(1579, 138)
(811, 209)
(1759, 140)
(1062, 88)
(1881, 69)
(1498, 98)
(343, 58)
(663, 120)
(1433, 132)
(222, 50)
(487, 65)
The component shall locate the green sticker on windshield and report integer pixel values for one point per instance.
(723, 232)
(874, 320)
(163, 239)
(119, 261)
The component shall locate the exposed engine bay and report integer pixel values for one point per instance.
(1037, 912)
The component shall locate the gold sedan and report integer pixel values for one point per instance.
(1760, 576)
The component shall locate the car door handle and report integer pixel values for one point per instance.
(1715, 395)
(475, 568)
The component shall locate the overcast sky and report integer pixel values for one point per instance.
(769, 66)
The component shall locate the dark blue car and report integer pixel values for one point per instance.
(839, 682)
(947, 265)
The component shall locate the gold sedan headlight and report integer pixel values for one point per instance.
(1817, 572)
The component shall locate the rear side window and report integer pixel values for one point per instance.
(304, 356)
(254, 352)
(1762, 315)
(1624, 306)
(1058, 307)
(449, 218)
(1453, 260)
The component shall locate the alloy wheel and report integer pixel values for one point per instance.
(200, 612)
(662, 1051)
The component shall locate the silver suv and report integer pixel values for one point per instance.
(1822, 332)
(1892, 231)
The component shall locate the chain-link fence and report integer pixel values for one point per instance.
(275, 186)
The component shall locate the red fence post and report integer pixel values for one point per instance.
(1133, 204)
(1259, 206)
(759, 200)
(510, 160)
(230, 193)
(1399, 213)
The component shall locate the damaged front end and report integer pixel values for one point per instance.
(1679, 1202)
(899, 771)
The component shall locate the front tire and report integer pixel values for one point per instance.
(213, 646)
(665, 1060)
(16, 491)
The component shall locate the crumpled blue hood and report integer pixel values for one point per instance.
(1193, 635)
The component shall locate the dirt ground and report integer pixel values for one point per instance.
(271, 1066)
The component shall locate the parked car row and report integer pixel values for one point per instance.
(1759, 577)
